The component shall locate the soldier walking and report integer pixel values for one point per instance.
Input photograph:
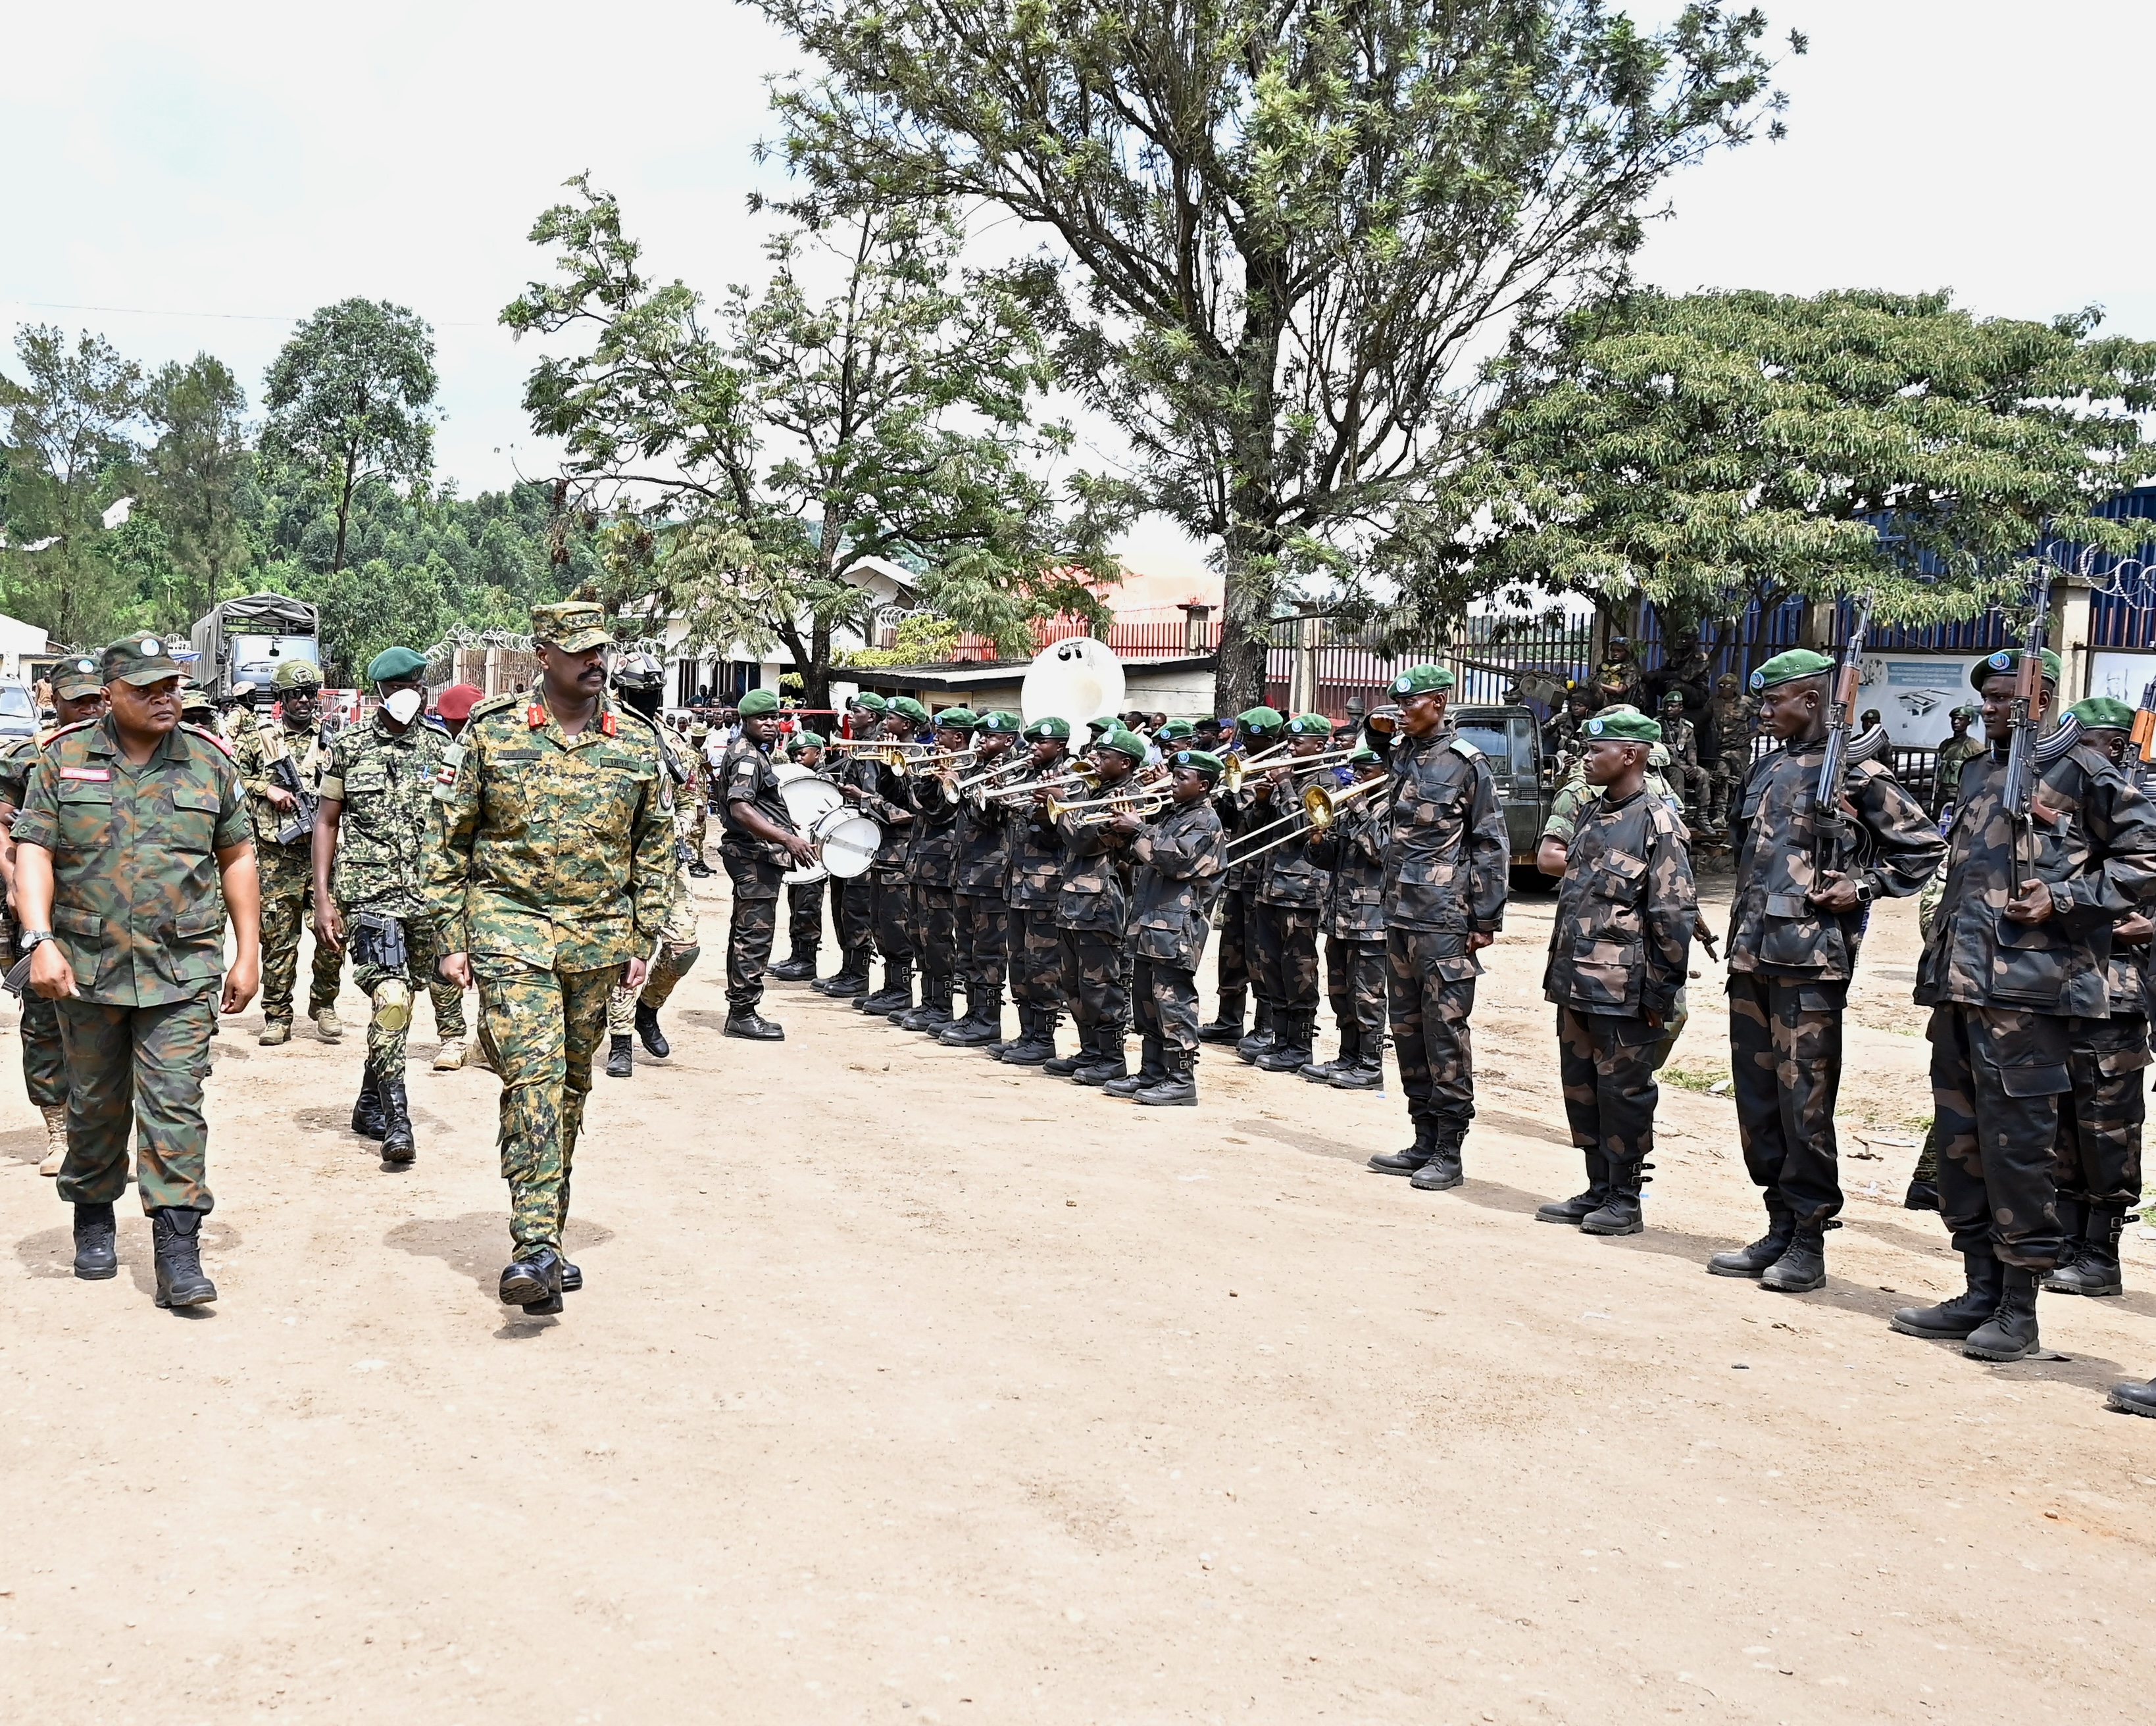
(980, 886)
(1353, 849)
(130, 850)
(759, 844)
(550, 880)
(638, 682)
(1036, 887)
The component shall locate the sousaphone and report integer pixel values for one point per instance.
(1077, 681)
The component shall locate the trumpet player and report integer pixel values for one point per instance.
(891, 801)
(1291, 891)
(1257, 730)
(1353, 849)
(1093, 914)
(853, 903)
(932, 868)
(1035, 886)
(982, 919)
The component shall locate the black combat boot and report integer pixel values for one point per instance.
(984, 1023)
(2073, 1235)
(1954, 1318)
(572, 1279)
(1261, 1039)
(1802, 1268)
(1107, 1058)
(1586, 1204)
(533, 1281)
(399, 1148)
(1152, 1069)
(746, 1022)
(934, 1012)
(2010, 1333)
(852, 980)
(620, 1063)
(1228, 1027)
(896, 995)
(996, 1048)
(1619, 1214)
(1406, 1162)
(176, 1237)
(367, 1118)
(2130, 1399)
(1320, 1072)
(1754, 1261)
(1443, 1171)
(1368, 1074)
(1921, 1196)
(2095, 1269)
(649, 1034)
(1036, 1043)
(1062, 1065)
(798, 967)
(96, 1237)
(1178, 1089)
(1290, 1052)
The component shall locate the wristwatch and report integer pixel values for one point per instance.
(27, 939)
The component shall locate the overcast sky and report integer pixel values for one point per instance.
(256, 161)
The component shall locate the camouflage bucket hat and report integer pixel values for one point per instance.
(570, 626)
(138, 659)
(74, 678)
(296, 674)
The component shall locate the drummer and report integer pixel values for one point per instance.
(761, 842)
(804, 899)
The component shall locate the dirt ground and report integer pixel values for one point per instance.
(904, 1389)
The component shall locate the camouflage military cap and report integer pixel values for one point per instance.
(138, 659)
(1728, 680)
(1964, 712)
(1310, 724)
(757, 704)
(571, 625)
(803, 741)
(1204, 760)
(1050, 730)
(905, 707)
(392, 663)
(2101, 713)
(194, 701)
(1621, 725)
(1259, 720)
(1788, 668)
(1002, 723)
(1424, 681)
(1174, 731)
(868, 701)
(297, 674)
(699, 731)
(74, 678)
(2004, 662)
(1124, 743)
(957, 719)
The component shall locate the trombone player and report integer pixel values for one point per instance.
(1291, 891)
(1257, 730)
(1092, 912)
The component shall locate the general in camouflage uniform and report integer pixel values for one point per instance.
(2019, 950)
(1956, 752)
(132, 844)
(639, 681)
(1730, 717)
(1446, 870)
(1036, 886)
(1092, 912)
(759, 845)
(287, 864)
(933, 871)
(888, 798)
(1793, 934)
(556, 858)
(981, 885)
(78, 686)
(1180, 859)
(372, 836)
(1257, 730)
(1352, 851)
(1291, 896)
(853, 902)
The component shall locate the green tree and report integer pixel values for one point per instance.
(350, 399)
(1709, 450)
(194, 472)
(745, 470)
(1286, 234)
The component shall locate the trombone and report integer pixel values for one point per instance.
(1237, 766)
(1232, 780)
(1320, 808)
(1087, 775)
(989, 775)
(1141, 794)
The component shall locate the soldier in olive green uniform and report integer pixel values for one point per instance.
(284, 850)
(1729, 718)
(374, 828)
(1617, 677)
(131, 845)
(555, 852)
(78, 695)
(1956, 752)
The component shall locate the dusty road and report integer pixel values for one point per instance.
(904, 1389)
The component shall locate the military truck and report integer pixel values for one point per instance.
(243, 641)
(1510, 740)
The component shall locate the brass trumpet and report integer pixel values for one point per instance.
(1236, 767)
(1002, 770)
(1087, 775)
(1150, 791)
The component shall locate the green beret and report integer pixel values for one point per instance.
(1363, 756)
(74, 678)
(1125, 743)
(1001, 723)
(1310, 724)
(1051, 729)
(803, 741)
(756, 703)
(1174, 731)
(1673, 698)
(393, 662)
(870, 700)
(957, 719)
(1611, 726)
(1260, 719)
(1423, 680)
(905, 707)
(2100, 712)
(1202, 759)
(1788, 668)
(2005, 660)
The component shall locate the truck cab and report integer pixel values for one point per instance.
(1510, 740)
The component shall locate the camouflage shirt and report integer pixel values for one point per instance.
(138, 904)
(1354, 848)
(555, 850)
(1449, 860)
(2095, 845)
(1575, 794)
(1036, 849)
(934, 858)
(1682, 740)
(1732, 717)
(1774, 930)
(385, 782)
(984, 848)
(747, 775)
(1236, 810)
(889, 800)
(1625, 911)
(253, 750)
(1287, 874)
(1181, 862)
(1955, 754)
(1097, 878)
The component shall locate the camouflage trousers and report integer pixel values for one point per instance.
(1036, 958)
(1164, 1005)
(138, 1072)
(287, 873)
(804, 919)
(1724, 780)
(1429, 1015)
(670, 959)
(1096, 979)
(935, 930)
(1355, 978)
(1784, 1073)
(540, 1029)
(1234, 973)
(45, 1065)
(752, 928)
(984, 957)
(422, 954)
(852, 915)
(1997, 1076)
(894, 917)
(2097, 1161)
(1284, 944)
(1605, 1064)
(697, 831)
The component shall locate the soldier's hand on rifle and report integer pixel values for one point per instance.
(2033, 906)
(1836, 893)
(329, 925)
(50, 974)
(2135, 929)
(281, 800)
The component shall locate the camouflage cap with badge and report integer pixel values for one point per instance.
(74, 678)
(570, 626)
(138, 659)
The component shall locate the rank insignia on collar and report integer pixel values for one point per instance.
(607, 727)
(534, 716)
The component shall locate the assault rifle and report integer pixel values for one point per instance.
(2021, 763)
(2144, 736)
(1832, 840)
(301, 822)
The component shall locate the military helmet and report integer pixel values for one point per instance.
(640, 672)
(297, 674)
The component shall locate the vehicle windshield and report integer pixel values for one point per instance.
(1494, 740)
(15, 703)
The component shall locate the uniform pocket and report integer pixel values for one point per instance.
(1616, 875)
(198, 943)
(86, 816)
(1793, 934)
(194, 818)
(1602, 972)
(2030, 967)
(2125, 1060)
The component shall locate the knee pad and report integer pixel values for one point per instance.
(392, 1004)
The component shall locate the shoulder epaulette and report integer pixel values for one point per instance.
(494, 704)
(435, 722)
(1462, 747)
(223, 745)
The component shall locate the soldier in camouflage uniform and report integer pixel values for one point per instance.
(372, 834)
(638, 682)
(1353, 850)
(1036, 885)
(853, 902)
(2019, 950)
(1681, 741)
(1447, 866)
(759, 845)
(889, 799)
(1730, 718)
(1956, 752)
(552, 874)
(78, 688)
(287, 866)
(1562, 743)
(130, 849)
(1617, 677)
(1292, 892)
(1180, 858)
(982, 881)
(932, 869)
(1257, 730)
(1092, 912)
(1619, 946)
(804, 899)
(696, 797)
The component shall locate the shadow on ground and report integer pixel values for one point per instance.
(476, 1244)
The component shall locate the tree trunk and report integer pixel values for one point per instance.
(344, 509)
(816, 676)
(1252, 540)
(1239, 676)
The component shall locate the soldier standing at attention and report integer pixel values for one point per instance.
(889, 798)
(78, 697)
(372, 832)
(1093, 914)
(1618, 950)
(1036, 885)
(804, 899)
(2017, 953)
(1959, 749)
(853, 902)
(933, 868)
(555, 857)
(1353, 850)
(1446, 869)
(132, 843)
(283, 848)
(759, 845)
(1794, 931)
(982, 879)
(696, 797)
(1256, 730)
(1291, 893)
(1731, 716)
(1181, 857)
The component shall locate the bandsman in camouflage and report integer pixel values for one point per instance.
(372, 833)
(131, 847)
(2019, 951)
(1092, 912)
(853, 902)
(1292, 892)
(981, 886)
(78, 687)
(1956, 752)
(887, 798)
(804, 899)
(284, 848)
(1730, 718)
(932, 872)
(1036, 885)
(759, 845)
(1619, 947)
(1447, 868)
(1258, 729)
(1352, 850)
(551, 879)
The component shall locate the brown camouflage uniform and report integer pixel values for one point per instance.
(1238, 899)
(1353, 850)
(1731, 713)
(754, 866)
(932, 874)
(1036, 886)
(2098, 1160)
(1292, 894)
(287, 872)
(1182, 859)
(983, 917)
(1092, 916)
(890, 801)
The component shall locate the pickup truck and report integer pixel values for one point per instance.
(1510, 740)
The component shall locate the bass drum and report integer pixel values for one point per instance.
(809, 800)
(847, 843)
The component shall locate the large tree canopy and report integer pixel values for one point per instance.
(1286, 235)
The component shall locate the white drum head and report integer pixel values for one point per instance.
(848, 842)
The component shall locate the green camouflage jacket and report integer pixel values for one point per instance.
(1625, 911)
(253, 749)
(1575, 794)
(554, 850)
(384, 782)
(1449, 860)
(1097, 878)
(1182, 863)
(1036, 849)
(1354, 848)
(138, 903)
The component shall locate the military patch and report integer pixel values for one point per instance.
(2000, 661)
(99, 775)
(1594, 728)
(1758, 680)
